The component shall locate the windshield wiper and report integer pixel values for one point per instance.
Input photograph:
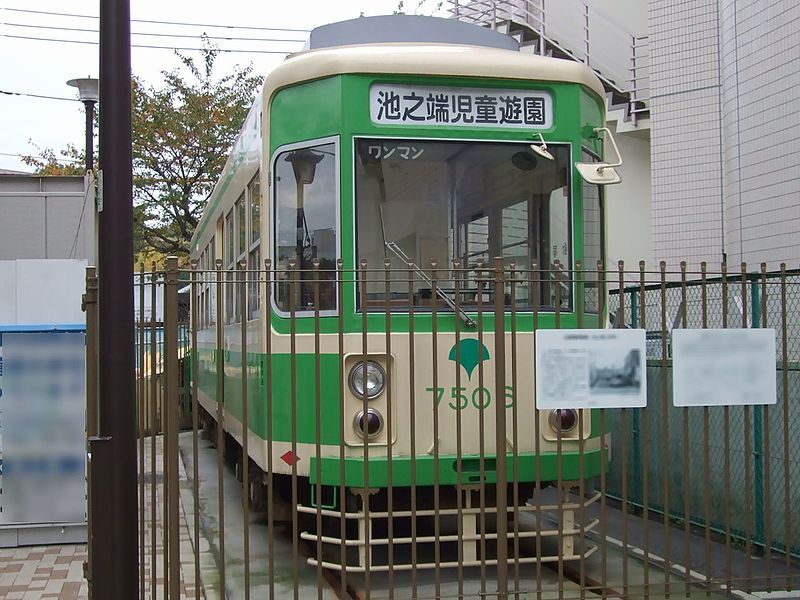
(395, 249)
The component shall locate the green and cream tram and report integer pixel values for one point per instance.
(370, 165)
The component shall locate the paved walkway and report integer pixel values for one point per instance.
(43, 572)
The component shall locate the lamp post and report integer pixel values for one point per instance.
(88, 93)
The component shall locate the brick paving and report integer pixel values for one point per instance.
(43, 572)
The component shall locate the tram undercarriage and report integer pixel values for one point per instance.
(445, 533)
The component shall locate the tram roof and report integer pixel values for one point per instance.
(427, 59)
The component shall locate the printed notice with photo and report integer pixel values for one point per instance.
(590, 368)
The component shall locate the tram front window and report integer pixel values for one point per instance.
(468, 201)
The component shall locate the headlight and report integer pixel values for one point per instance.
(564, 418)
(369, 424)
(374, 380)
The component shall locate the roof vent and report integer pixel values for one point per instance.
(406, 29)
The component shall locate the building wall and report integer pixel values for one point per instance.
(46, 217)
(725, 84)
(628, 206)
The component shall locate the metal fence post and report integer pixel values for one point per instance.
(171, 405)
(500, 428)
(90, 308)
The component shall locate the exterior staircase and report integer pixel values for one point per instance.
(618, 57)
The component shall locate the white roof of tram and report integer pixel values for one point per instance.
(428, 59)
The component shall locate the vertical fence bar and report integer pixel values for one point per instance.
(481, 428)
(706, 441)
(559, 448)
(787, 515)
(293, 273)
(687, 547)
(172, 401)
(665, 420)
(500, 429)
(726, 434)
(194, 324)
(245, 367)
(602, 318)
(623, 428)
(766, 453)
(220, 430)
(534, 284)
(437, 551)
(512, 277)
(645, 445)
(140, 389)
(365, 492)
(318, 427)
(748, 457)
(412, 413)
(459, 457)
(343, 423)
(387, 272)
(579, 311)
(154, 425)
(267, 308)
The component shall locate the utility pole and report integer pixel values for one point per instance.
(114, 568)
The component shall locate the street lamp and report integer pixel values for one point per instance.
(88, 93)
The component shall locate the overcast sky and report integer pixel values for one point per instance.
(43, 67)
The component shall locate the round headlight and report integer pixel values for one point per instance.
(563, 419)
(373, 378)
(369, 424)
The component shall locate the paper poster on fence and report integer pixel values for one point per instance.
(723, 367)
(590, 368)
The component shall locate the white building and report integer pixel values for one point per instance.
(710, 131)
(726, 130)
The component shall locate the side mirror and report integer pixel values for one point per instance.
(602, 173)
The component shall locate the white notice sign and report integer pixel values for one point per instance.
(590, 368)
(723, 367)
(461, 107)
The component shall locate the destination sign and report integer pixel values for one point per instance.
(459, 107)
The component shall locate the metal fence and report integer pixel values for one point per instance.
(342, 489)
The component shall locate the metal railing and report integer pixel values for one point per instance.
(578, 30)
(623, 502)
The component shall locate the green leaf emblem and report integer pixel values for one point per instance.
(470, 353)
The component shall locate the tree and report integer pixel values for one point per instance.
(182, 133)
(47, 163)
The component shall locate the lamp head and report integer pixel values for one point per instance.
(87, 88)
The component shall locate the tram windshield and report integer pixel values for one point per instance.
(468, 201)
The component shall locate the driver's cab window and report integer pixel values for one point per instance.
(306, 196)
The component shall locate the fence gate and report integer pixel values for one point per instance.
(483, 430)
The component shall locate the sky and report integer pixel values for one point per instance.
(42, 67)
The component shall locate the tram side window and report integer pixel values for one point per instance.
(254, 245)
(211, 294)
(230, 261)
(306, 195)
(592, 238)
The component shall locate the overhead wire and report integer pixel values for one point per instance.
(180, 23)
(72, 160)
(7, 93)
(154, 34)
(91, 43)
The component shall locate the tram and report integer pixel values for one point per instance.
(402, 144)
